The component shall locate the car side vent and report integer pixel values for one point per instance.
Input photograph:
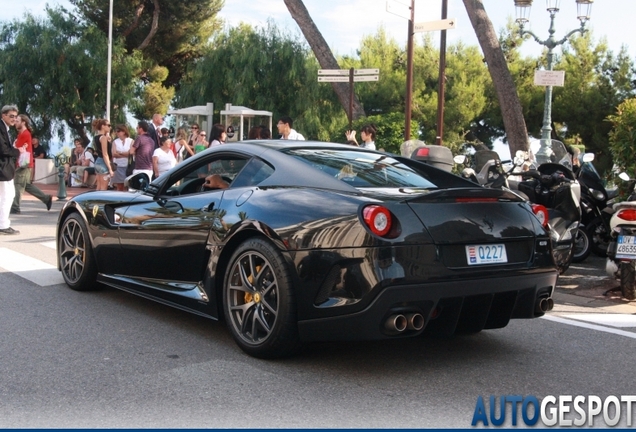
(328, 285)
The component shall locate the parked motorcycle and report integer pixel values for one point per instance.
(596, 214)
(621, 252)
(551, 183)
(544, 177)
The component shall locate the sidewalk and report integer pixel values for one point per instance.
(52, 189)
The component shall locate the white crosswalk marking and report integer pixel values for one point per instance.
(32, 269)
(614, 320)
(49, 244)
(589, 326)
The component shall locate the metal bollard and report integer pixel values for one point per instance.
(61, 184)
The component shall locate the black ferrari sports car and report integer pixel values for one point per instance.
(296, 241)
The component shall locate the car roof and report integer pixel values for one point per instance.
(288, 170)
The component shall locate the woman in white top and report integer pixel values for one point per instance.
(181, 147)
(367, 133)
(218, 135)
(121, 150)
(163, 159)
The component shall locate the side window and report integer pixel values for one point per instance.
(254, 172)
(223, 167)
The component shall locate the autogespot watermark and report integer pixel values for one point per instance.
(563, 410)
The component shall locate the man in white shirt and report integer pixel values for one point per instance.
(285, 129)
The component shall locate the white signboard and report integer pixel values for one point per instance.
(444, 24)
(333, 78)
(360, 78)
(400, 9)
(549, 78)
(366, 71)
(357, 78)
(333, 72)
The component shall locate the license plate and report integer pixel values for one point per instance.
(486, 254)
(626, 247)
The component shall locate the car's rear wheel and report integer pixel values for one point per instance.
(259, 302)
(75, 255)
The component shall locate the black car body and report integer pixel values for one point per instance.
(314, 241)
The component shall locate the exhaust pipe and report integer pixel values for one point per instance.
(396, 323)
(544, 304)
(414, 321)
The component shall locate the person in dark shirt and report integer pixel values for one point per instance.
(38, 150)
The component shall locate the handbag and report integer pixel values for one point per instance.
(131, 165)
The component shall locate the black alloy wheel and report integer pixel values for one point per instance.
(75, 255)
(258, 301)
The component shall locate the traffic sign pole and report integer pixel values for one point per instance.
(351, 75)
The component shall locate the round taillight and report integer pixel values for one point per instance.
(378, 219)
(541, 213)
(627, 214)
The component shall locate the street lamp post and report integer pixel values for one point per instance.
(522, 7)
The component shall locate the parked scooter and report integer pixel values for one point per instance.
(621, 252)
(551, 183)
(545, 178)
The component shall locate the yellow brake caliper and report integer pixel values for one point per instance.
(256, 297)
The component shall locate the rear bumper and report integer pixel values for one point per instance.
(449, 307)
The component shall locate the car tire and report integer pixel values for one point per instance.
(582, 245)
(628, 279)
(259, 302)
(75, 255)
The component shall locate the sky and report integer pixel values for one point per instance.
(344, 23)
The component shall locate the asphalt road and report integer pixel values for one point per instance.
(111, 359)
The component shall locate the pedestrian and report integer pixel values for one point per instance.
(154, 129)
(367, 133)
(104, 162)
(285, 130)
(195, 138)
(37, 150)
(8, 160)
(143, 148)
(181, 148)
(24, 173)
(218, 135)
(121, 151)
(259, 132)
(163, 159)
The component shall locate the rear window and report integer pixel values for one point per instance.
(362, 169)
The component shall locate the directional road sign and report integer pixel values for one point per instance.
(444, 24)
(356, 78)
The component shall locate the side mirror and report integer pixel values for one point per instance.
(459, 159)
(139, 181)
(588, 157)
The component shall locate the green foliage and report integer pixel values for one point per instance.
(264, 69)
(622, 137)
(184, 28)
(54, 69)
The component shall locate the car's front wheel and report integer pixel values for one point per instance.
(259, 302)
(75, 255)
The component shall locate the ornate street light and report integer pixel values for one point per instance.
(522, 9)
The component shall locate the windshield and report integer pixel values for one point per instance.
(550, 151)
(361, 169)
